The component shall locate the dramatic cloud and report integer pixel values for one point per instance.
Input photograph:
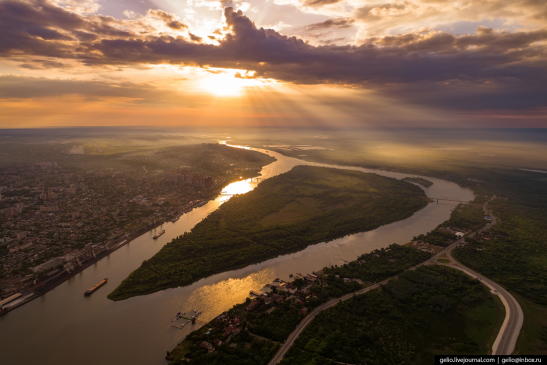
(330, 23)
(30, 87)
(489, 65)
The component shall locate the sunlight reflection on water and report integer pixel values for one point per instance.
(239, 187)
(218, 297)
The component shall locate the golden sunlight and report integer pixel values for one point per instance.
(238, 187)
(226, 84)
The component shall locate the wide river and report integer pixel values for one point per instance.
(65, 328)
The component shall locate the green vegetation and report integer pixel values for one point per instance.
(283, 214)
(275, 321)
(437, 238)
(131, 154)
(428, 311)
(466, 217)
(419, 180)
(380, 264)
(514, 253)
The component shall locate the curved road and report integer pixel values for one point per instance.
(509, 331)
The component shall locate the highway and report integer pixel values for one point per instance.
(509, 331)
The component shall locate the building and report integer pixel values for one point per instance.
(207, 345)
(44, 165)
(254, 303)
(49, 264)
(186, 177)
(49, 208)
(49, 195)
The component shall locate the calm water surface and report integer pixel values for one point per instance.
(64, 328)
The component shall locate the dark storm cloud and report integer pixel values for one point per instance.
(513, 62)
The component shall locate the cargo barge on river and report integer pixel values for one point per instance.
(159, 234)
(101, 283)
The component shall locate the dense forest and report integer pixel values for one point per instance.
(283, 214)
(431, 310)
(514, 254)
(380, 264)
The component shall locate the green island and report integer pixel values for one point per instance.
(419, 180)
(284, 214)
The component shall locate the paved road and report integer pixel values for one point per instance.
(507, 337)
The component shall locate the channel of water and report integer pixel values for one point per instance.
(64, 328)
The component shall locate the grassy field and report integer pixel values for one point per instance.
(482, 323)
(283, 214)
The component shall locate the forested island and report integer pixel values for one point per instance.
(419, 180)
(284, 214)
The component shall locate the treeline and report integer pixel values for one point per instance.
(463, 217)
(424, 312)
(516, 256)
(437, 238)
(336, 203)
(380, 264)
(467, 216)
(419, 180)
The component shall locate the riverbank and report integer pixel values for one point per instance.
(57, 279)
(138, 330)
(284, 214)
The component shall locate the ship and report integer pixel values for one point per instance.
(101, 283)
(175, 219)
(159, 234)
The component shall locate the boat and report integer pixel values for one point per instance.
(175, 219)
(159, 234)
(88, 292)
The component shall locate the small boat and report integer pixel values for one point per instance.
(159, 234)
(174, 220)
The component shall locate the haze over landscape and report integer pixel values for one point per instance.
(264, 182)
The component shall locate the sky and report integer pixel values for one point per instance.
(321, 63)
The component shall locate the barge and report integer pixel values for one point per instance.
(159, 234)
(101, 283)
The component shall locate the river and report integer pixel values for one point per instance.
(63, 327)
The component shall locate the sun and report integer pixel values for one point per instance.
(226, 84)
